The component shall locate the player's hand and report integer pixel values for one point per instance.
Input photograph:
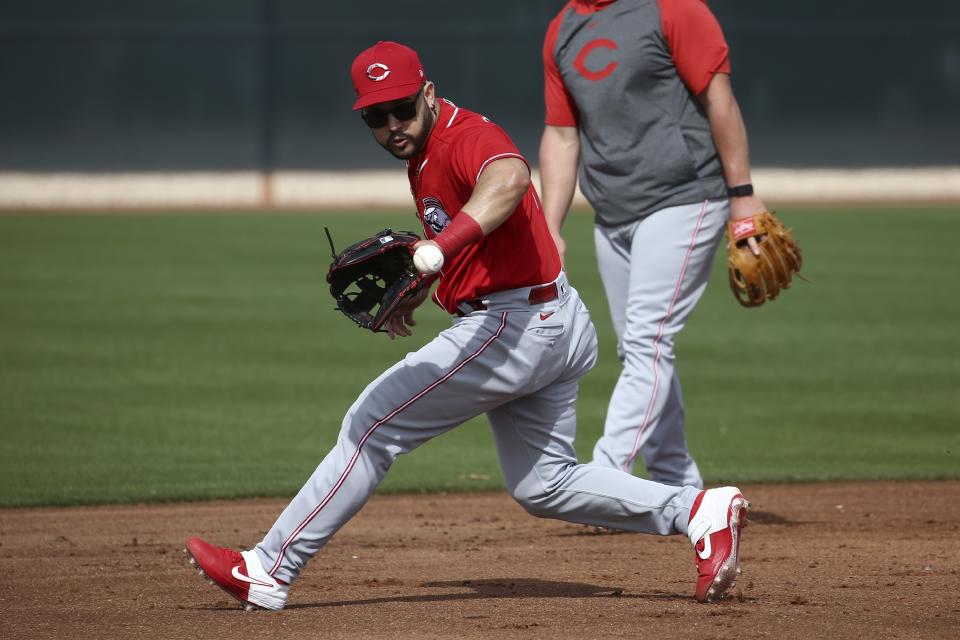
(400, 324)
(402, 320)
(746, 207)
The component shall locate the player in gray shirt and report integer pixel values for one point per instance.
(638, 96)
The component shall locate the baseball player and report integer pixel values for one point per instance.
(519, 341)
(638, 95)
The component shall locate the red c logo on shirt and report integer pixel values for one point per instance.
(580, 62)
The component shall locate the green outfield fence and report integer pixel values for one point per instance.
(263, 85)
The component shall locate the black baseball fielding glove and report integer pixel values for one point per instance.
(370, 279)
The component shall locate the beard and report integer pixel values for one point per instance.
(413, 144)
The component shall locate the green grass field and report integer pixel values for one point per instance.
(167, 357)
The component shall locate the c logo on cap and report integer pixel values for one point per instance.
(378, 72)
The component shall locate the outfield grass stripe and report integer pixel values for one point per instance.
(142, 357)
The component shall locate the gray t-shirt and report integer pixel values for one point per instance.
(645, 140)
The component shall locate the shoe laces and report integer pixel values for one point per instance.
(235, 557)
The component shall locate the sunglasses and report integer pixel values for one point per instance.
(376, 118)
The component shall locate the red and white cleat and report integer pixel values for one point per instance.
(237, 573)
(716, 520)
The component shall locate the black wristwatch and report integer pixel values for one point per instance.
(740, 191)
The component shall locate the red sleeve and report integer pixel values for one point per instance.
(477, 148)
(695, 40)
(561, 111)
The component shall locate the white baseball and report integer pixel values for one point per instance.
(428, 259)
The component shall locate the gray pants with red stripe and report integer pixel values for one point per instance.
(518, 363)
(654, 272)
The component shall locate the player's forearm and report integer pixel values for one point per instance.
(730, 138)
(728, 129)
(559, 157)
(499, 190)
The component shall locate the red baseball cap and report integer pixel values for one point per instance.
(384, 72)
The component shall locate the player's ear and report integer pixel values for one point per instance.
(430, 95)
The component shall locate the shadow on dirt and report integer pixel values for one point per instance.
(504, 588)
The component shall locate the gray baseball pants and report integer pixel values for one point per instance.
(654, 272)
(518, 363)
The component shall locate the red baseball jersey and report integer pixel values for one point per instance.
(518, 253)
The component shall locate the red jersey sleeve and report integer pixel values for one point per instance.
(696, 42)
(561, 111)
(485, 143)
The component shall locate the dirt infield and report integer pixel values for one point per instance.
(873, 560)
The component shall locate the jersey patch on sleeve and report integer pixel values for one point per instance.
(435, 217)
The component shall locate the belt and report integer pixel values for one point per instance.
(538, 295)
